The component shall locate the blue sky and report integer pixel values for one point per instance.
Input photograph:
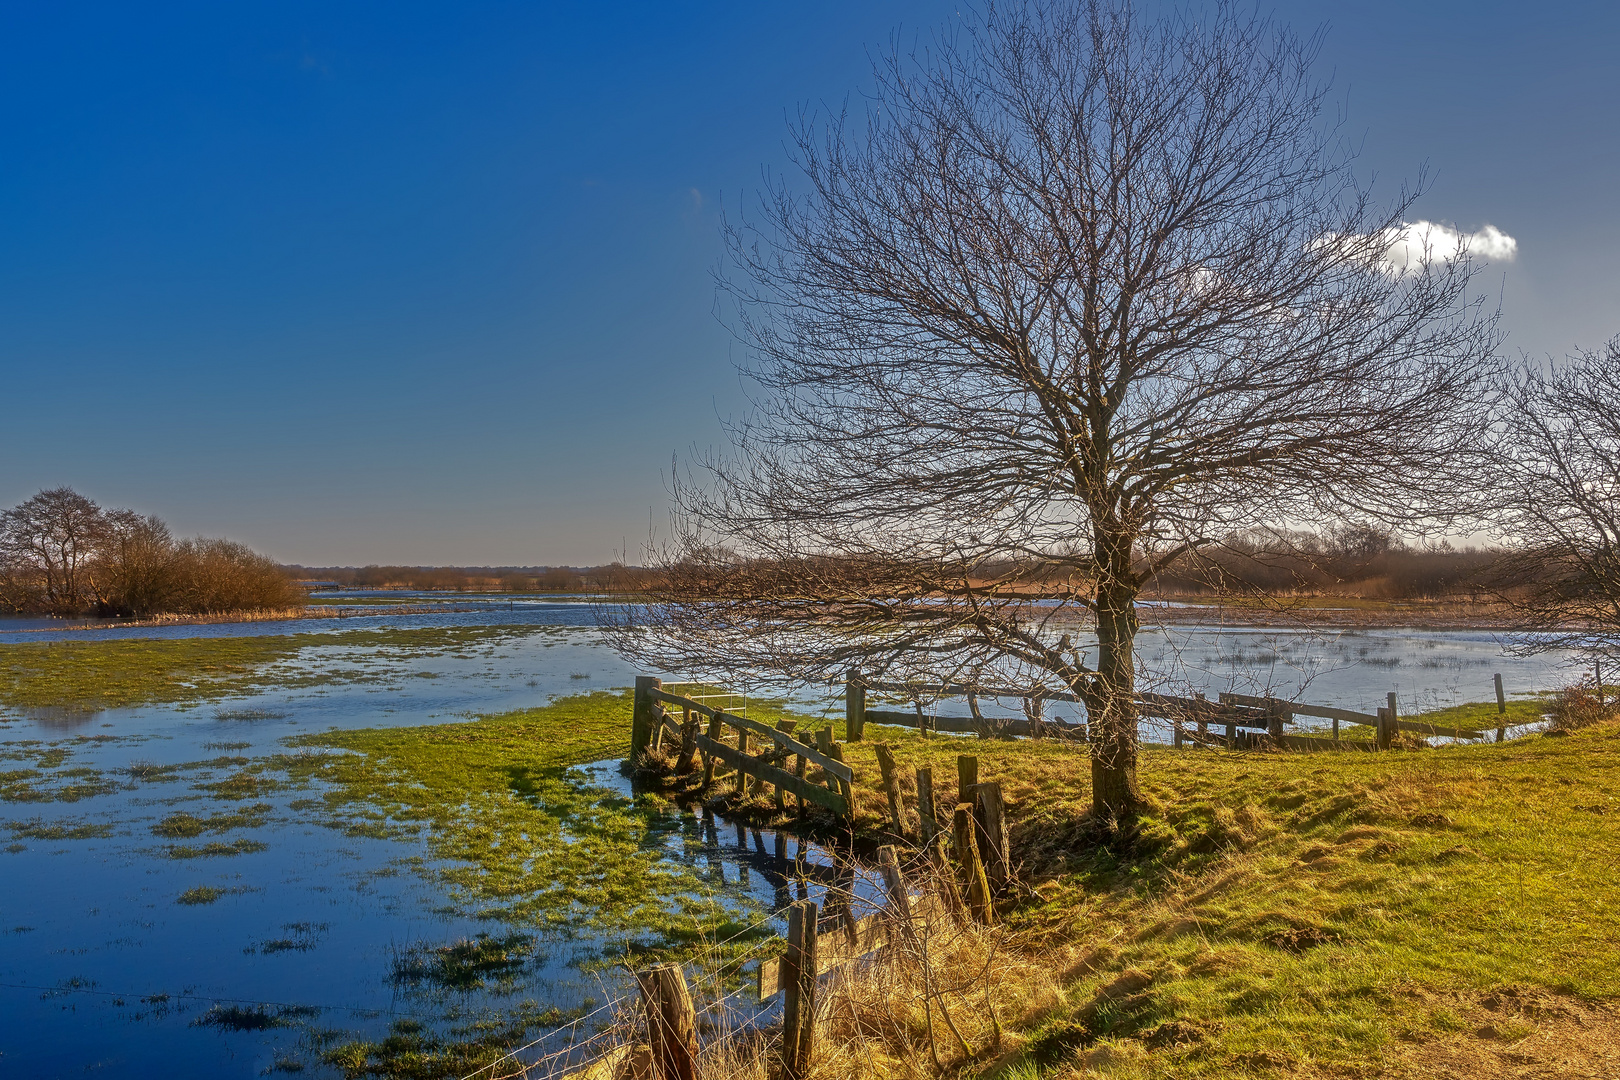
(431, 283)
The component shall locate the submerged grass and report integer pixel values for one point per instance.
(184, 826)
(483, 962)
(518, 832)
(185, 672)
(215, 849)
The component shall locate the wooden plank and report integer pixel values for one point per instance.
(782, 738)
(1418, 727)
(966, 725)
(771, 774)
(785, 741)
(961, 690)
(684, 702)
(1327, 712)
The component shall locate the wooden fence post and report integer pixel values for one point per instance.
(967, 777)
(671, 1023)
(894, 882)
(798, 976)
(684, 763)
(1501, 710)
(891, 788)
(964, 828)
(854, 706)
(927, 823)
(992, 820)
(742, 749)
(642, 723)
(709, 759)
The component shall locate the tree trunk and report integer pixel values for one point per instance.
(1112, 707)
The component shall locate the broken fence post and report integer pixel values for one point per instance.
(964, 829)
(891, 788)
(798, 976)
(992, 820)
(671, 1023)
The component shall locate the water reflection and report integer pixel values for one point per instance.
(59, 718)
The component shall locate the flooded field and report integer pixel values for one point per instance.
(223, 883)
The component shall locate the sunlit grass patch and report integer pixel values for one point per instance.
(1301, 911)
(518, 833)
(484, 962)
(40, 829)
(412, 1049)
(184, 826)
(216, 849)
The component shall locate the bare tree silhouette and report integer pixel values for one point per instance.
(1079, 295)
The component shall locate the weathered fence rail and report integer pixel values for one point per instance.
(1249, 721)
(651, 721)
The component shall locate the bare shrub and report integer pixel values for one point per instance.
(1579, 706)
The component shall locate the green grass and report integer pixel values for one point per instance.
(39, 829)
(1300, 912)
(213, 850)
(516, 832)
(202, 894)
(184, 826)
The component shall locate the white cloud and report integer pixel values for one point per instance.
(1415, 241)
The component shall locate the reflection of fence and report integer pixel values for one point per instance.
(1248, 722)
(829, 785)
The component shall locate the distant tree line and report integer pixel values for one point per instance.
(614, 577)
(1352, 559)
(62, 554)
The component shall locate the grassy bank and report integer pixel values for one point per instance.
(1329, 914)
(1271, 915)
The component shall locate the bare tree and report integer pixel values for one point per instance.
(1558, 463)
(51, 541)
(1078, 296)
(135, 569)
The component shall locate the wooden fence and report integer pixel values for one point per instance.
(1248, 721)
(830, 785)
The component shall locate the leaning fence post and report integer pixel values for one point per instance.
(992, 820)
(963, 828)
(671, 1023)
(894, 882)
(642, 722)
(854, 706)
(798, 976)
(891, 788)
(1501, 710)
